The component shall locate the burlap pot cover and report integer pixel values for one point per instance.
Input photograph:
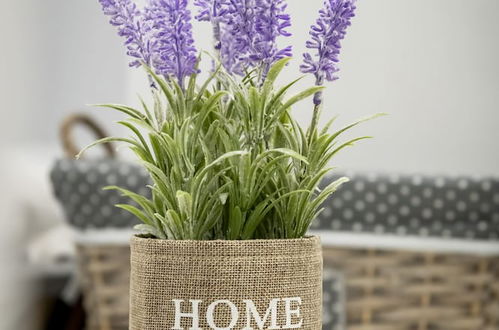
(256, 284)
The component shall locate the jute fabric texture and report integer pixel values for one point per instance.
(254, 284)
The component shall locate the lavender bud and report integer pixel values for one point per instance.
(127, 17)
(246, 31)
(173, 48)
(327, 33)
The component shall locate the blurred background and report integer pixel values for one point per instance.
(432, 65)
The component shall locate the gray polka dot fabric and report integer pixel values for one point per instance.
(333, 300)
(78, 185)
(457, 207)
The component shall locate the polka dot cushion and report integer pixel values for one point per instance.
(333, 300)
(78, 185)
(459, 207)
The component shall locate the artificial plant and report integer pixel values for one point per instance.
(226, 157)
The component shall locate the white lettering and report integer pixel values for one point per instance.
(269, 320)
(234, 314)
(252, 312)
(290, 312)
(194, 314)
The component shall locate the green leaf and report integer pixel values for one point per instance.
(261, 211)
(150, 230)
(273, 73)
(163, 85)
(125, 109)
(235, 223)
(137, 133)
(362, 120)
(184, 200)
(107, 140)
(301, 96)
(135, 211)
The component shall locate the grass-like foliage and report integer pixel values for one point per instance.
(227, 159)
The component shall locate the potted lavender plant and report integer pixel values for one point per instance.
(223, 241)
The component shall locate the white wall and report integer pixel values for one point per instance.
(57, 56)
(431, 64)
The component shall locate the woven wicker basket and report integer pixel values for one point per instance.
(105, 278)
(386, 290)
(395, 290)
(104, 265)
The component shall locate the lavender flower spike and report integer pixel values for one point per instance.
(174, 51)
(326, 35)
(127, 17)
(237, 36)
(271, 23)
(249, 34)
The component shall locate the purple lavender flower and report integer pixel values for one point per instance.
(174, 53)
(326, 35)
(211, 10)
(207, 10)
(237, 36)
(127, 17)
(246, 31)
(271, 22)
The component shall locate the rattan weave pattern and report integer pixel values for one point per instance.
(397, 290)
(105, 280)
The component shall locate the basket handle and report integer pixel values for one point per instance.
(68, 143)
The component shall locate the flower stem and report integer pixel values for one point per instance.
(314, 124)
(317, 110)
